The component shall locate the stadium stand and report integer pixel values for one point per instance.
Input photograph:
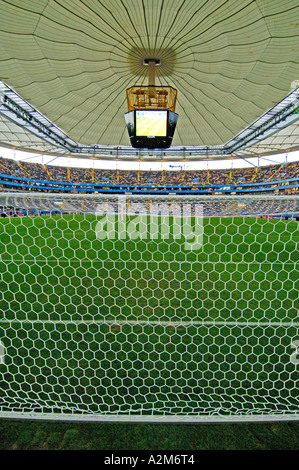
(18, 176)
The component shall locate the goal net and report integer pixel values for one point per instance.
(149, 307)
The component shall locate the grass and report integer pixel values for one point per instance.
(36, 435)
(146, 326)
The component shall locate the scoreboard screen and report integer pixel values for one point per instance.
(151, 129)
(151, 123)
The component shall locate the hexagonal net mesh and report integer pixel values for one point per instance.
(149, 307)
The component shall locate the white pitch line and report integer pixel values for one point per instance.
(64, 259)
(155, 323)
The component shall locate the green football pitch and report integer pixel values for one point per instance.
(145, 327)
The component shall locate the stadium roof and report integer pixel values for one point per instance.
(69, 63)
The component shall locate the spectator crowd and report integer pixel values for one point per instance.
(193, 178)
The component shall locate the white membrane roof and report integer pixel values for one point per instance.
(72, 60)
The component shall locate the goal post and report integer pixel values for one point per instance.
(149, 307)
